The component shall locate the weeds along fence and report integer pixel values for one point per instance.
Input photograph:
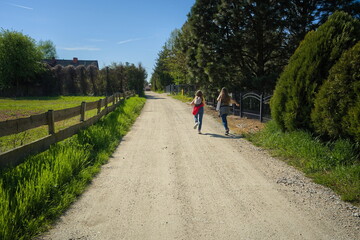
(17, 155)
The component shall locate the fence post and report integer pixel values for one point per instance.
(106, 105)
(82, 111)
(261, 107)
(99, 106)
(241, 104)
(51, 122)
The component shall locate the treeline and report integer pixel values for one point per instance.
(23, 73)
(81, 80)
(243, 45)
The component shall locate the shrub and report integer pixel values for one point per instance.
(337, 105)
(298, 85)
(81, 80)
(69, 74)
(93, 76)
(57, 71)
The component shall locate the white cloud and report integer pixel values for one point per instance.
(20, 6)
(130, 40)
(80, 49)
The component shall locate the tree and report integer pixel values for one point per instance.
(337, 105)
(161, 76)
(295, 91)
(136, 78)
(20, 60)
(176, 59)
(246, 44)
(47, 48)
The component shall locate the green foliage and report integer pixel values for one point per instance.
(136, 78)
(19, 60)
(176, 59)
(242, 45)
(39, 190)
(334, 164)
(337, 105)
(47, 48)
(295, 92)
(161, 76)
(182, 98)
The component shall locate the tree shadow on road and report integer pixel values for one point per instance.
(153, 97)
(233, 136)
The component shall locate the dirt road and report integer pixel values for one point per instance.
(165, 181)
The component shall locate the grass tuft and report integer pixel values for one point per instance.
(182, 98)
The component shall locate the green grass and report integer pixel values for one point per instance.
(12, 108)
(24, 107)
(182, 98)
(36, 192)
(333, 164)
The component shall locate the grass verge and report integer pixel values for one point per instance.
(36, 192)
(182, 98)
(333, 164)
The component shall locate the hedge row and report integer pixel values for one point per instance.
(305, 94)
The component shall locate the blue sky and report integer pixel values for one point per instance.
(108, 31)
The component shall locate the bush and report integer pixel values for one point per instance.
(82, 81)
(93, 76)
(69, 74)
(298, 85)
(337, 105)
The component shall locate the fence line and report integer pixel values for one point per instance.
(241, 111)
(17, 155)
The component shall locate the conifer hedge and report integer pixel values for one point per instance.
(296, 89)
(337, 105)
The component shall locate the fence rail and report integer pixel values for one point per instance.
(17, 155)
(241, 111)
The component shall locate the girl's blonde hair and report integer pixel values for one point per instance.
(225, 97)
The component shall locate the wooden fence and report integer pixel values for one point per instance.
(17, 155)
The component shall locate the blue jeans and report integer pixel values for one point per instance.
(198, 117)
(224, 121)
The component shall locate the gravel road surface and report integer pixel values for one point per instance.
(165, 181)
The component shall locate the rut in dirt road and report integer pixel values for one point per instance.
(165, 181)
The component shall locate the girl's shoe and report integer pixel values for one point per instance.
(199, 132)
(227, 132)
(196, 124)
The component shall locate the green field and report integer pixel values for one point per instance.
(11, 108)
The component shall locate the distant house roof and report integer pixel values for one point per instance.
(74, 62)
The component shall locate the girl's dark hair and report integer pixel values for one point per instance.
(225, 98)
